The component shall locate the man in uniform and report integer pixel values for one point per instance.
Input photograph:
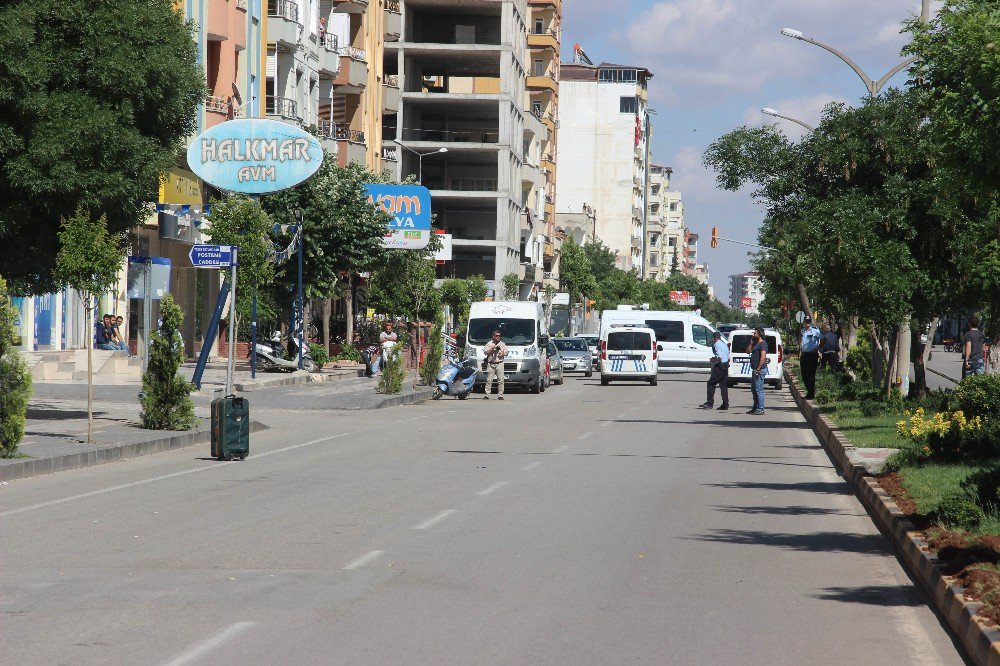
(720, 373)
(809, 356)
(496, 352)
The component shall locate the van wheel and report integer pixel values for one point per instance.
(778, 385)
(653, 380)
(605, 382)
(537, 387)
(731, 383)
(589, 374)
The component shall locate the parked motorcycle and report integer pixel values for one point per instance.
(456, 379)
(270, 356)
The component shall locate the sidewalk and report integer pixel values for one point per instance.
(56, 429)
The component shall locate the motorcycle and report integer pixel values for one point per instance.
(270, 356)
(456, 378)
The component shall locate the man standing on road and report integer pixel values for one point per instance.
(758, 369)
(720, 373)
(975, 364)
(809, 356)
(496, 352)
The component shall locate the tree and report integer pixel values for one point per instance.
(575, 272)
(618, 287)
(602, 259)
(88, 260)
(477, 288)
(343, 231)
(166, 396)
(15, 380)
(435, 350)
(240, 220)
(510, 287)
(95, 100)
(455, 294)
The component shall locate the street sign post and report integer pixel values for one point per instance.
(800, 316)
(682, 297)
(212, 256)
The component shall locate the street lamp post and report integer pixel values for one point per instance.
(420, 157)
(771, 112)
(302, 318)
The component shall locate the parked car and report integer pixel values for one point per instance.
(739, 362)
(726, 329)
(576, 356)
(594, 342)
(554, 365)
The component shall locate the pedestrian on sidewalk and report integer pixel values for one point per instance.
(104, 335)
(758, 366)
(496, 352)
(720, 373)
(975, 363)
(809, 356)
(370, 357)
(119, 339)
(830, 348)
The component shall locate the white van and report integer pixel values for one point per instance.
(520, 326)
(683, 338)
(628, 351)
(739, 357)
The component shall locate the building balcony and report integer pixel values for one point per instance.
(546, 81)
(393, 20)
(329, 57)
(351, 147)
(282, 108)
(353, 74)
(350, 6)
(328, 136)
(554, 4)
(390, 94)
(283, 24)
(531, 174)
(547, 39)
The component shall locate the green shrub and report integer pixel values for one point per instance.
(937, 400)
(978, 395)
(825, 396)
(983, 486)
(166, 396)
(15, 380)
(959, 510)
(435, 349)
(348, 353)
(393, 371)
(859, 362)
(319, 354)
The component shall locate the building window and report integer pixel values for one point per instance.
(539, 68)
(539, 27)
(628, 105)
(671, 241)
(617, 75)
(673, 206)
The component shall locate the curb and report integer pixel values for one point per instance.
(106, 454)
(294, 379)
(414, 398)
(941, 374)
(982, 643)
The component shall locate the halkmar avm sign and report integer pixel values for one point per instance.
(409, 210)
(254, 156)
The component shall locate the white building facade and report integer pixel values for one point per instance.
(746, 291)
(602, 152)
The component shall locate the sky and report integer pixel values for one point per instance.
(715, 63)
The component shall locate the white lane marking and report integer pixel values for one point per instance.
(561, 448)
(164, 477)
(365, 559)
(531, 466)
(435, 520)
(206, 646)
(585, 435)
(496, 486)
(606, 424)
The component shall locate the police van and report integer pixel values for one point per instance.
(628, 352)
(740, 371)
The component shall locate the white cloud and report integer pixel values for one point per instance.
(707, 50)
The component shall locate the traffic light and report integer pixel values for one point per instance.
(715, 237)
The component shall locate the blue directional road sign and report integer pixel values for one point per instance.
(211, 256)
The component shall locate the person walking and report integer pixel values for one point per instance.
(720, 373)
(829, 347)
(496, 352)
(758, 369)
(975, 362)
(809, 356)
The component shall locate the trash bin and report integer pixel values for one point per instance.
(230, 428)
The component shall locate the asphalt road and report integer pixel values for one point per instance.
(587, 525)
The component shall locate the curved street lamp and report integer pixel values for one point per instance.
(420, 157)
(771, 112)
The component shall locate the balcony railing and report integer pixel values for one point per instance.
(353, 53)
(283, 9)
(327, 129)
(474, 184)
(348, 134)
(392, 80)
(392, 6)
(216, 104)
(282, 106)
(241, 4)
(330, 43)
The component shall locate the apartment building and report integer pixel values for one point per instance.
(674, 231)
(602, 151)
(746, 291)
(460, 125)
(658, 254)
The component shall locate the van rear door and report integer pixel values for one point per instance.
(630, 352)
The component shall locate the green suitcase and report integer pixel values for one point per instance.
(230, 428)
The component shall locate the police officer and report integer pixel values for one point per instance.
(720, 373)
(809, 356)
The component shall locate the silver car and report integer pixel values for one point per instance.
(593, 342)
(554, 361)
(576, 355)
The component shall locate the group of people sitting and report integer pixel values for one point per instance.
(108, 334)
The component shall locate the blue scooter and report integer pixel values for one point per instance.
(456, 379)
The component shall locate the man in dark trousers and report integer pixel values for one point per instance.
(720, 373)
(975, 362)
(809, 356)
